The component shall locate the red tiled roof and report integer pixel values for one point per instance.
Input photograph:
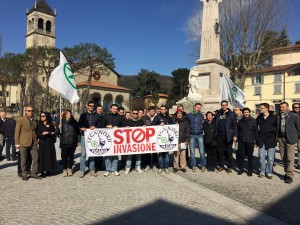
(275, 68)
(102, 85)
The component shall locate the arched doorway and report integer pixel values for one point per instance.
(107, 102)
(96, 97)
(119, 100)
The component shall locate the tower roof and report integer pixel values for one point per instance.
(41, 6)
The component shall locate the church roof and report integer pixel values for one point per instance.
(104, 85)
(43, 7)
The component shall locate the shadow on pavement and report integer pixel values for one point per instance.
(163, 213)
(286, 209)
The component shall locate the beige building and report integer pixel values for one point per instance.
(41, 23)
(278, 83)
(104, 90)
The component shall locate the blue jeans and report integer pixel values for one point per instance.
(270, 160)
(199, 140)
(111, 163)
(83, 156)
(138, 159)
(163, 160)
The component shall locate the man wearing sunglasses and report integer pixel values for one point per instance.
(296, 111)
(88, 120)
(135, 121)
(26, 142)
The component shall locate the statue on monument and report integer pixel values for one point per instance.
(194, 86)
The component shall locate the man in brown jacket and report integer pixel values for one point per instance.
(25, 139)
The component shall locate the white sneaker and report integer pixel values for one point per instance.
(160, 170)
(127, 170)
(117, 173)
(147, 168)
(106, 174)
(167, 171)
(154, 168)
(138, 169)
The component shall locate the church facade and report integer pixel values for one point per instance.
(41, 23)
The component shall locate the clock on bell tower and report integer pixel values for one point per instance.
(40, 25)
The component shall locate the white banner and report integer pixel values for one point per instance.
(131, 140)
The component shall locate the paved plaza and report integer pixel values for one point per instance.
(148, 198)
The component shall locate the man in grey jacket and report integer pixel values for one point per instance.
(288, 132)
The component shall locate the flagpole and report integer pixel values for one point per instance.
(60, 122)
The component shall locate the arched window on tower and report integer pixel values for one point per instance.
(30, 24)
(48, 26)
(41, 24)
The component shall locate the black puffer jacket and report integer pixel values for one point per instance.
(70, 134)
(114, 120)
(184, 130)
(247, 130)
(209, 137)
(267, 129)
(134, 123)
(163, 119)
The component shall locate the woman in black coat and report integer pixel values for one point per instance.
(69, 134)
(210, 142)
(46, 139)
(247, 138)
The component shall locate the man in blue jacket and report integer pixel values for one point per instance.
(195, 119)
(226, 132)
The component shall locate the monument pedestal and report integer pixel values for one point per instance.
(205, 78)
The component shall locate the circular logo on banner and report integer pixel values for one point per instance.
(99, 142)
(167, 138)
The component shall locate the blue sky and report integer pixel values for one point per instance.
(148, 34)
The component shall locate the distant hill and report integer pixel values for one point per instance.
(131, 82)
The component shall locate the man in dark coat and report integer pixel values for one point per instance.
(150, 159)
(135, 121)
(267, 128)
(163, 157)
(226, 132)
(9, 126)
(2, 131)
(296, 111)
(247, 138)
(88, 120)
(288, 132)
(112, 120)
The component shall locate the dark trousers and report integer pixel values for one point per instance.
(211, 158)
(67, 157)
(2, 142)
(25, 152)
(10, 142)
(224, 147)
(149, 159)
(243, 148)
(29, 160)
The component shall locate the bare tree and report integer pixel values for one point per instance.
(245, 26)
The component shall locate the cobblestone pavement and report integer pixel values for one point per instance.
(148, 198)
(271, 196)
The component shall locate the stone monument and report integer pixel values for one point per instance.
(204, 79)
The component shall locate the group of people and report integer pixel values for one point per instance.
(214, 134)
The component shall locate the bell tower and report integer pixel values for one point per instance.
(40, 25)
